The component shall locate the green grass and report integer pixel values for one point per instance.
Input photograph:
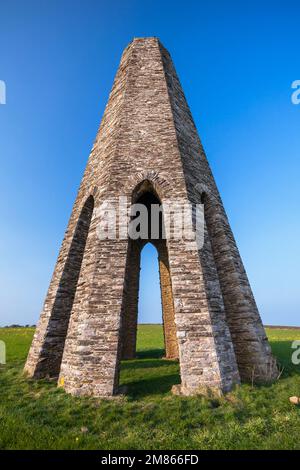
(37, 415)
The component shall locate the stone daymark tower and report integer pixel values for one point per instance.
(148, 150)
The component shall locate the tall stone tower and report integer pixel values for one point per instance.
(147, 149)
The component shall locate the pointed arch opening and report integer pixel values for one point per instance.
(146, 195)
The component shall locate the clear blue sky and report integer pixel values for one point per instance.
(236, 61)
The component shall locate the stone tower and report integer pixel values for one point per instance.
(147, 149)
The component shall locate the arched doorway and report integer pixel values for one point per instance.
(145, 195)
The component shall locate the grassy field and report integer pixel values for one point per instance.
(37, 415)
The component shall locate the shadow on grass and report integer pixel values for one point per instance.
(149, 374)
(150, 354)
(145, 364)
(152, 386)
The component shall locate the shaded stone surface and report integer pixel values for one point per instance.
(147, 142)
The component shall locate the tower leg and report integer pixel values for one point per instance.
(171, 341)
(252, 350)
(90, 364)
(207, 359)
(44, 358)
(130, 302)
